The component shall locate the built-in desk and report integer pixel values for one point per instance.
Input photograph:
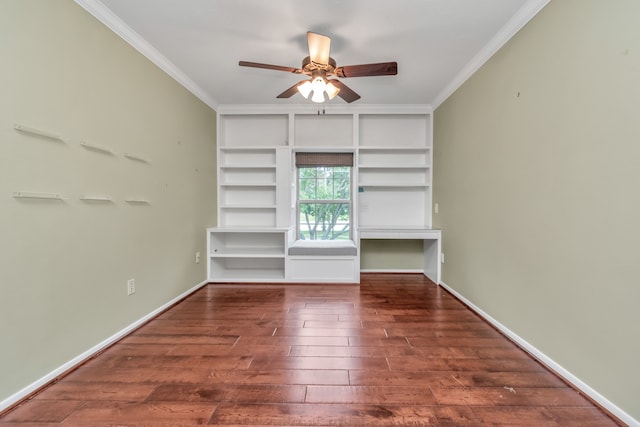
(432, 244)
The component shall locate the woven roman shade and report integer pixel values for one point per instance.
(312, 160)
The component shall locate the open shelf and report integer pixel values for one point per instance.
(248, 184)
(397, 158)
(394, 177)
(393, 207)
(246, 254)
(247, 157)
(246, 269)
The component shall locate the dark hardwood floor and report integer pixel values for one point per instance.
(396, 350)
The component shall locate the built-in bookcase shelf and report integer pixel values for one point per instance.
(247, 187)
(248, 168)
(394, 170)
(323, 131)
(246, 254)
(391, 176)
(396, 156)
(247, 157)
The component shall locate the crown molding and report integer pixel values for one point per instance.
(515, 24)
(115, 24)
(328, 108)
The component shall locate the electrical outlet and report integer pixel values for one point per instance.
(197, 257)
(435, 208)
(131, 286)
(442, 257)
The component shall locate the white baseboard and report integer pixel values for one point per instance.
(550, 363)
(33, 387)
(392, 270)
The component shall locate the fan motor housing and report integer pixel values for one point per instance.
(308, 66)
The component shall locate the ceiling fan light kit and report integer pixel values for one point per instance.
(319, 86)
(319, 65)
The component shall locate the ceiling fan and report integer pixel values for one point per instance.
(319, 66)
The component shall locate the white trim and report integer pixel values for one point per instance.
(76, 361)
(312, 109)
(549, 363)
(392, 270)
(515, 24)
(115, 24)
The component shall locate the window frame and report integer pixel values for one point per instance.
(348, 202)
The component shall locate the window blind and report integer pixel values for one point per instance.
(311, 160)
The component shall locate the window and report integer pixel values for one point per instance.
(324, 196)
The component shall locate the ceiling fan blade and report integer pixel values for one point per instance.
(365, 70)
(291, 91)
(269, 67)
(319, 47)
(345, 92)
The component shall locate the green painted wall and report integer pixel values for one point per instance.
(393, 255)
(64, 264)
(536, 173)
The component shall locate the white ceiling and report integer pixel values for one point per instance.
(437, 43)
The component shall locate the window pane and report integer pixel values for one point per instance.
(324, 183)
(308, 189)
(341, 184)
(308, 172)
(324, 221)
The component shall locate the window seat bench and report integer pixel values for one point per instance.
(323, 248)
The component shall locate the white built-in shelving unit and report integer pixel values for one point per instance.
(394, 171)
(247, 254)
(256, 187)
(247, 187)
(247, 164)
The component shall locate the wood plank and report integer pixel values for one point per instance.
(509, 396)
(148, 375)
(327, 332)
(332, 363)
(78, 391)
(42, 411)
(375, 341)
(280, 340)
(456, 379)
(353, 324)
(227, 340)
(336, 351)
(140, 413)
(281, 376)
(257, 393)
(371, 395)
(323, 415)
(413, 363)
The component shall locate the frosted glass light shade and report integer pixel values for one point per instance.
(305, 89)
(332, 90)
(318, 84)
(317, 96)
